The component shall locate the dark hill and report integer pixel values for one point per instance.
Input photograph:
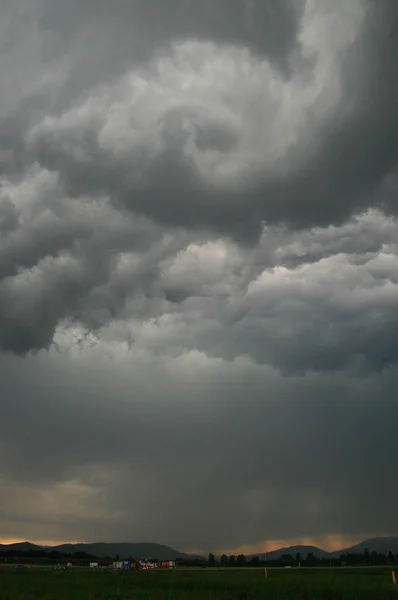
(382, 545)
(102, 550)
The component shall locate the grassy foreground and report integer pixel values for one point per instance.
(281, 584)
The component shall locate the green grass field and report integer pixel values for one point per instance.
(297, 584)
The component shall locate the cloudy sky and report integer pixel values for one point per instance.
(198, 271)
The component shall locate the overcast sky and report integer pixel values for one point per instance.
(198, 271)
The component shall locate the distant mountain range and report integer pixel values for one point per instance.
(381, 545)
(292, 550)
(102, 550)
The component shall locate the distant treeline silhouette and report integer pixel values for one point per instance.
(285, 560)
(41, 557)
(310, 560)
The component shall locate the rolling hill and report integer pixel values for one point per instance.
(381, 545)
(102, 550)
(20, 547)
(293, 550)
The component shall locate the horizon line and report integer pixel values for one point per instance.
(331, 543)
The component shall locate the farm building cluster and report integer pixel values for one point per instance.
(138, 565)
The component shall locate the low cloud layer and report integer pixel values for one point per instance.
(117, 449)
(198, 270)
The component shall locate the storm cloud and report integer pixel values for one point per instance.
(198, 270)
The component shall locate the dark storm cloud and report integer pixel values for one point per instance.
(322, 300)
(66, 262)
(333, 169)
(14, 158)
(8, 215)
(170, 462)
(111, 39)
(186, 246)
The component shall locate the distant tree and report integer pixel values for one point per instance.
(224, 560)
(287, 560)
(381, 559)
(391, 557)
(232, 560)
(373, 558)
(241, 560)
(117, 557)
(366, 555)
(211, 561)
(311, 559)
(298, 558)
(255, 561)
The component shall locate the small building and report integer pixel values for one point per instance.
(168, 564)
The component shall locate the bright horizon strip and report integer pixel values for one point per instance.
(330, 543)
(6, 541)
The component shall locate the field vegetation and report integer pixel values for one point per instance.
(43, 583)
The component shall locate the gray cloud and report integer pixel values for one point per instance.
(198, 270)
(133, 457)
(129, 32)
(324, 315)
(65, 260)
(340, 147)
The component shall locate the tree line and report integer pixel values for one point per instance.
(286, 560)
(310, 560)
(38, 557)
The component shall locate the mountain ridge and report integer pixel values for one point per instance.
(292, 550)
(105, 549)
(382, 545)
